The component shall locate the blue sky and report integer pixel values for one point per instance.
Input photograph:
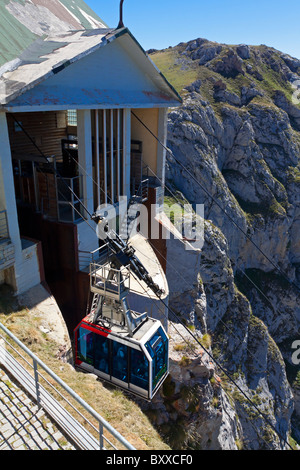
(162, 23)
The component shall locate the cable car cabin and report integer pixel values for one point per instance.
(137, 363)
(123, 347)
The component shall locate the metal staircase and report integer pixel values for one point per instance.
(140, 197)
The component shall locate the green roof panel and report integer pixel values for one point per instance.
(14, 37)
(77, 8)
(22, 22)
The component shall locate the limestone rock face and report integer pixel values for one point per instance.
(192, 411)
(237, 133)
(242, 343)
(230, 65)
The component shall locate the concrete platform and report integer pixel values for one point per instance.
(146, 255)
(141, 298)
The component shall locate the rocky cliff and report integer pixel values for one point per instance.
(238, 134)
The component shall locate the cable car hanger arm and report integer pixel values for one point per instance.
(124, 255)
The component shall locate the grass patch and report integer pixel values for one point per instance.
(185, 361)
(293, 175)
(180, 70)
(118, 408)
(206, 340)
(176, 73)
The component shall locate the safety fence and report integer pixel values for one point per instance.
(78, 420)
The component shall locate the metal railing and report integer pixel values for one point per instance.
(106, 281)
(67, 206)
(140, 189)
(88, 431)
(143, 190)
(69, 197)
(148, 173)
(85, 258)
(4, 233)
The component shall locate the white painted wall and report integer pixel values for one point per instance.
(85, 156)
(7, 192)
(26, 267)
(162, 136)
(27, 272)
(87, 241)
(127, 136)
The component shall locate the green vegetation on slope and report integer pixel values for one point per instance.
(166, 61)
(121, 411)
(265, 65)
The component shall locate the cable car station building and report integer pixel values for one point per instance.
(71, 107)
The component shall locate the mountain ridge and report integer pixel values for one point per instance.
(238, 133)
(260, 67)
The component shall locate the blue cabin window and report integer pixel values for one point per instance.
(157, 347)
(120, 361)
(101, 360)
(85, 346)
(139, 367)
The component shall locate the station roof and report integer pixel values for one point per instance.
(46, 57)
(22, 22)
(32, 51)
